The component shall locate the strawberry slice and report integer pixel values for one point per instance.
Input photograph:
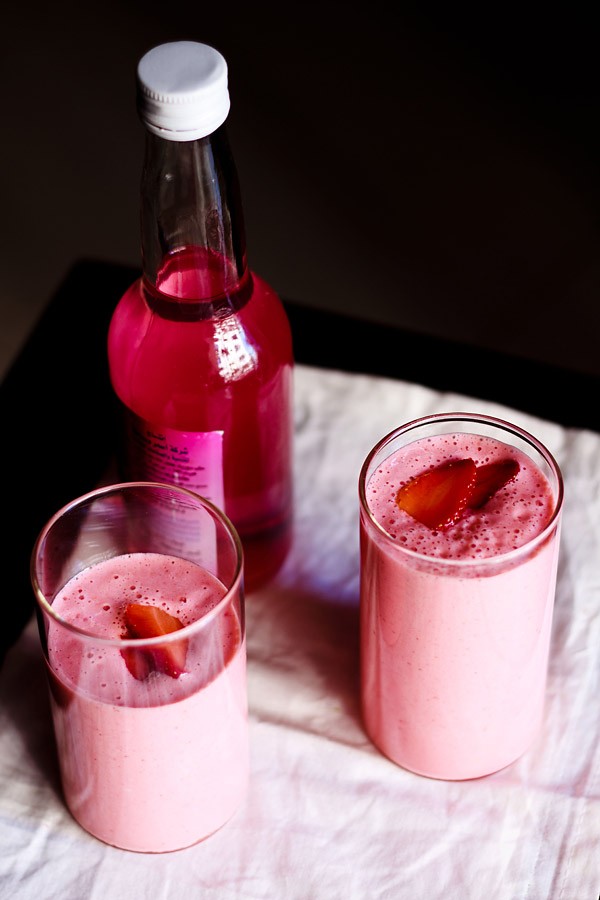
(438, 497)
(146, 621)
(490, 478)
(138, 662)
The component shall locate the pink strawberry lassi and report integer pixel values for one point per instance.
(456, 619)
(154, 762)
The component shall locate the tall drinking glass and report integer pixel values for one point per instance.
(141, 618)
(456, 617)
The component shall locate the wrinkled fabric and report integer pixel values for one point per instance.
(326, 815)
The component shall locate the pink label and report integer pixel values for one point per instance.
(190, 459)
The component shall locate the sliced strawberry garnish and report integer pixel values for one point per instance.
(490, 478)
(138, 662)
(438, 497)
(146, 621)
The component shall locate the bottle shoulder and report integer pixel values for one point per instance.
(256, 308)
(252, 340)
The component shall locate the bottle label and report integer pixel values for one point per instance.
(190, 459)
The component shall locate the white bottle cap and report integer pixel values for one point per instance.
(182, 90)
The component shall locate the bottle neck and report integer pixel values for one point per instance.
(193, 237)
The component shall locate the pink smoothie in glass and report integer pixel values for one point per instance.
(158, 763)
(455, 622)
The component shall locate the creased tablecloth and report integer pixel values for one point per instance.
(326, 815)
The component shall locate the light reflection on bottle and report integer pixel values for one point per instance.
(236, 357)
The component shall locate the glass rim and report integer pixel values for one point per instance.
(483, 419)
(187, 631)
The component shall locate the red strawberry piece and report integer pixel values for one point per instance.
(490, 478)
(146, 621)
(138, 662)
(438, 497)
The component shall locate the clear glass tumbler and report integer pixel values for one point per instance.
(456, 621)
(140, 603)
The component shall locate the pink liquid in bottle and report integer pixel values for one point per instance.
(199, 348)
(206, 386)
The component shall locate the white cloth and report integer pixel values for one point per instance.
(327, 816)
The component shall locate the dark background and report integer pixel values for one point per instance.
(433, 168)
(435, 171)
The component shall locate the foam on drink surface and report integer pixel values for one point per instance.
(515, 515)
(95, 600)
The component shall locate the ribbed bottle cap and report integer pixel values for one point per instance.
(182, 90)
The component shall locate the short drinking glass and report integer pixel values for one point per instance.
(459, 531)
(141, 617)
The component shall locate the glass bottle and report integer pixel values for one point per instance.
(199, 347)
